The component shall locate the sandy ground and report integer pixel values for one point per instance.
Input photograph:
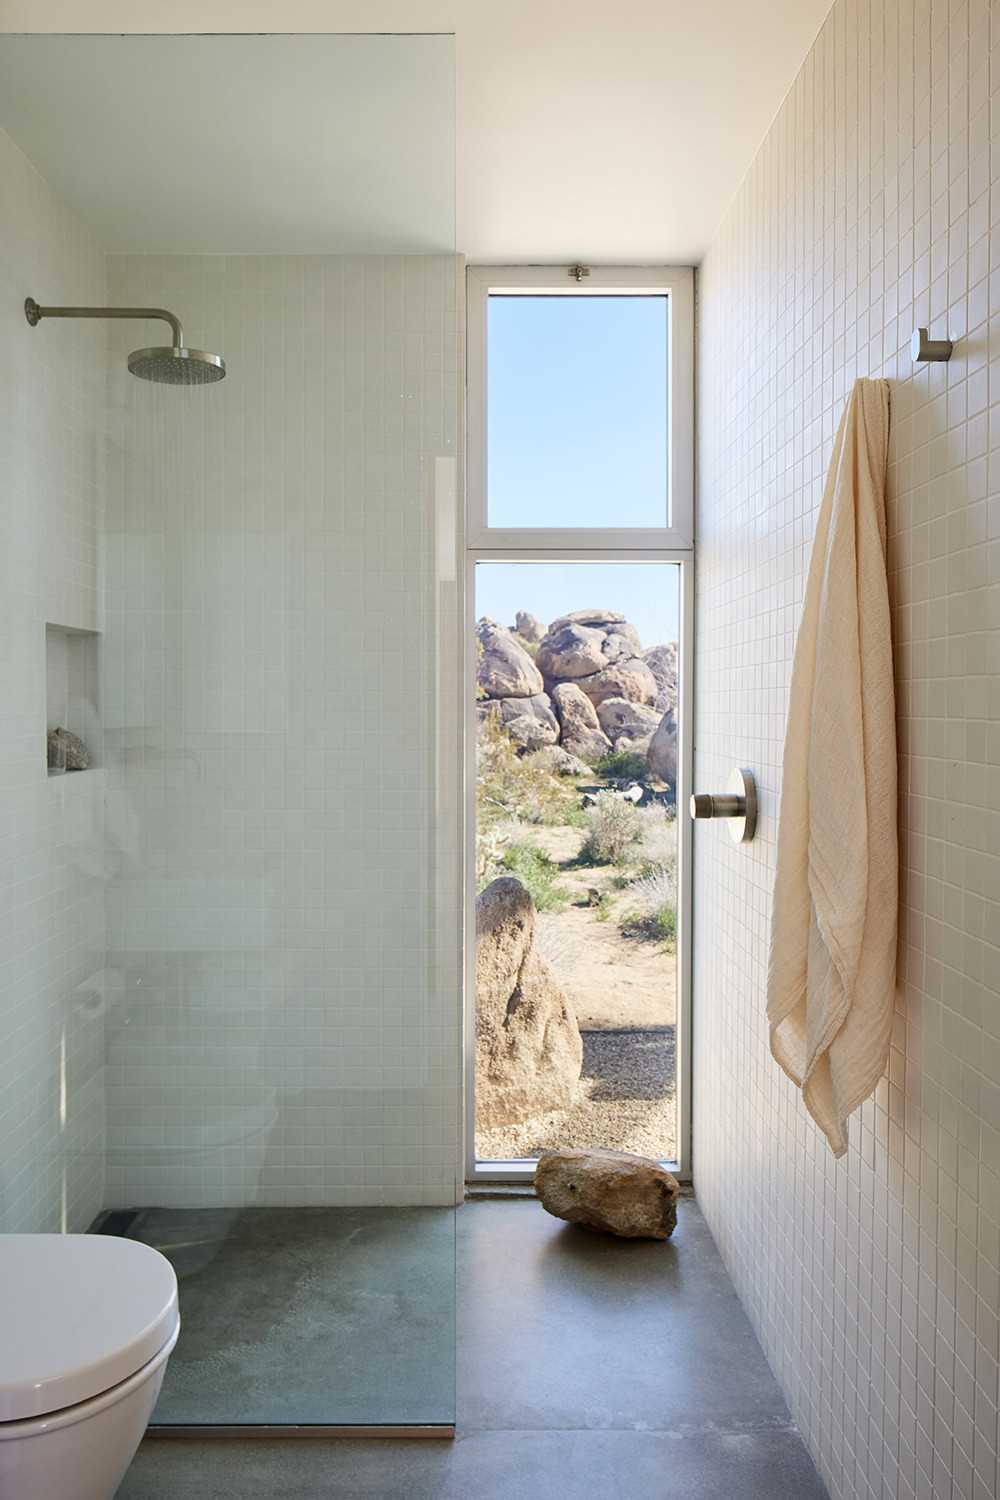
(614, 982)
(626, 1102)
(624, 991)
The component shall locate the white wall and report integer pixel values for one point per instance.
(873, 207)
(52, 390)
(283, 800)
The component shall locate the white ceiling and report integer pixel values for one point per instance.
(584, 129)
(242, 144)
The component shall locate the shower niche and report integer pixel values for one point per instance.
(72, 699)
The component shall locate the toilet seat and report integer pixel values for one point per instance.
(79, 1314)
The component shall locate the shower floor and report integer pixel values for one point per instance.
(309, 1315)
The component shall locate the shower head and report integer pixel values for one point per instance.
(177, 365)
(170, 364)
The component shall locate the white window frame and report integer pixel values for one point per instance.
(676, 283)
(667, 544)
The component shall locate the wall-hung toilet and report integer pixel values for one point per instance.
(87, 1323)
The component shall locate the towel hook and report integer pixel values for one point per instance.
(923, 348)
(738, 803)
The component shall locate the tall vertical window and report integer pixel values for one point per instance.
(579, 609)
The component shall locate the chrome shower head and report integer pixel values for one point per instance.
(177, 365)
(170, 364)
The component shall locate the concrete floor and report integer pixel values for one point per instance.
(583, 1363)
(309, 1315)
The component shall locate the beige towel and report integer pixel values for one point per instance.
(831, 977)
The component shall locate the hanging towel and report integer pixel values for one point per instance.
(832, 969)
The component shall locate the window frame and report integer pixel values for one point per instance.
(676, 283)
(667, 544)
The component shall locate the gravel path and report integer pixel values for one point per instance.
(626, 1102)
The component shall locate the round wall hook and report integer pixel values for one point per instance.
(737, 804)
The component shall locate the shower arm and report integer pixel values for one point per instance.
(34, 314)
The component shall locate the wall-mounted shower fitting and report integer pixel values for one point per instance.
(923, 348)
(738, 804)
(168, 364)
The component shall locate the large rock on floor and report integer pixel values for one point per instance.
(505, 669)
(611, 1191)
(529, 1051)
(661, 757)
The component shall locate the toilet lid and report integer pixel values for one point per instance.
(78, 1314)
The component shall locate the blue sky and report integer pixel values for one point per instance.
(577, 437)
(645, 593)
(577, 411)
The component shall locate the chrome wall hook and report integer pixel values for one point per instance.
(923, 348)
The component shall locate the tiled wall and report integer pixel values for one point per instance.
(52, 419)
(872, 207)
(279, 691)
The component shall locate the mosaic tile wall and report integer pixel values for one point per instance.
(279, 695)
(52, 386)
(873, 207)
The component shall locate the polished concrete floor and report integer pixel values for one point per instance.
(584, 1363)
(309, 1315)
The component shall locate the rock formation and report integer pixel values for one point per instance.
(560, 761)
(600, 652)
(590, 687)
(529, 1052)
(582, 734)
(622, 719)
(662, 662)
(505, 668)
(528, 627)
(612, 1191)
(662, 754)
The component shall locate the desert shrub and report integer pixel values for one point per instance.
(624, 765)
(509, 787)
(492, 842)
(538, 873)
(657, 844)
(653, 911)
(613, 827)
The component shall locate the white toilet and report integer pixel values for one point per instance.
(87, 1323)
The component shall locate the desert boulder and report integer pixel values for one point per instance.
(619, 718)
(611, 1191)
(661, 756)
(582, 734)
(505, 669)
(529, 1051)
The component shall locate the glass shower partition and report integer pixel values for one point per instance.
(279, 666)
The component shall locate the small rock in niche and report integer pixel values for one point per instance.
(77, 756)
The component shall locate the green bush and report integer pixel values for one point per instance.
(538, 873)
(654, 915)
(508, 786)
(613, 827)
(658, 926)
(622, 765)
